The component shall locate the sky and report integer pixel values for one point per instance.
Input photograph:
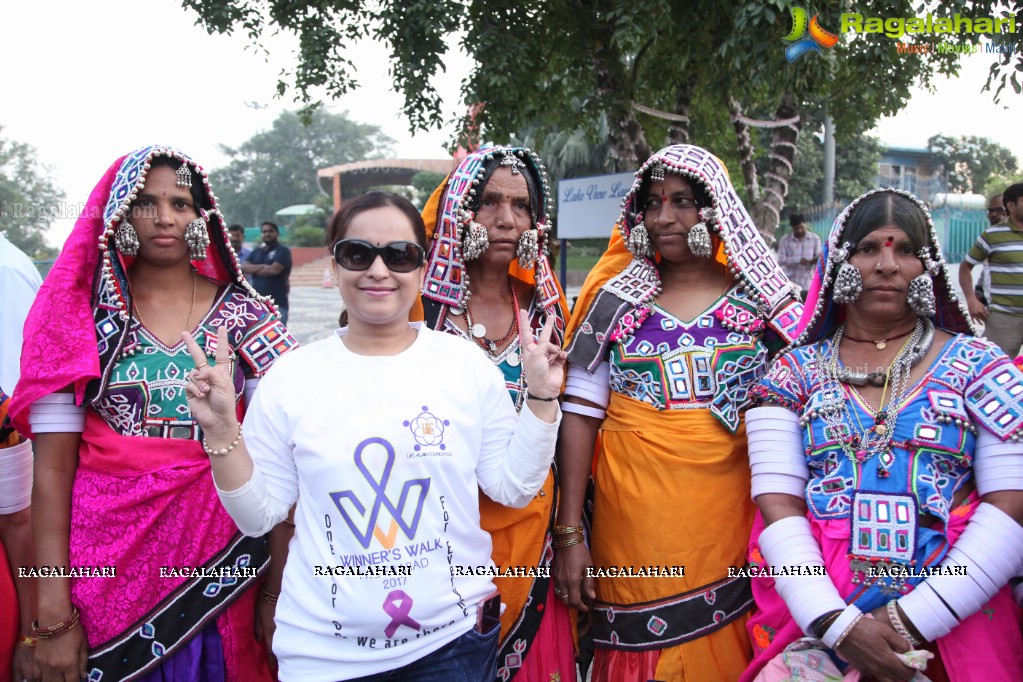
(86, 82)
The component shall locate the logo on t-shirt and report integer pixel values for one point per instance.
(427, 430)
(366, 513)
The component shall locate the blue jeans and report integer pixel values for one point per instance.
(469, 658)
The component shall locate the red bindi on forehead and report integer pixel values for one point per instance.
(889, 241)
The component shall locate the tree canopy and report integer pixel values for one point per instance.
(970, 163)
(29, 199)
(642, 74)
(277, 168)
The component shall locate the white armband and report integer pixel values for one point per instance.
(15, 477)
(56, 413)
(250, 390)
(595, 387)
(790, 542)
(776, 454)
(990, 553)
(584, 410)
(997, 465)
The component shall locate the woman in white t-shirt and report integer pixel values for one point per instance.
(382, 434)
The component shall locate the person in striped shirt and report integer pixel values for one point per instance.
(1001, 246)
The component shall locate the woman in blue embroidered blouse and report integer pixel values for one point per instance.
(887, 453)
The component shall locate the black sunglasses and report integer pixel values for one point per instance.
(355, 254)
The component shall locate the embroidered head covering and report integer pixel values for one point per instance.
(452, 207)
(79, 319)
(822, 315)
(740, 246)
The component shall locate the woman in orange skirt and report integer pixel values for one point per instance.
(673, 327)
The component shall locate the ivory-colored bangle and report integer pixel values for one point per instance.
(60, 628)
(25, 640)
(893, 615)
(223, 451)
(269, 597)
(567, 530)
(561, 544)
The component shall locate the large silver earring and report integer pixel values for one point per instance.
(197, 239)
(126, 239)
(921, 295)
(848, 284)
(699, 240)
(475, 241)
(639, 242)
(528, 249)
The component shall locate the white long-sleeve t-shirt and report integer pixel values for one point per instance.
(385, 456)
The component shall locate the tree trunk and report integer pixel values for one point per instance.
(767, 210)
(678, 131)
(629, 147)
(745, 148)
(765, 207)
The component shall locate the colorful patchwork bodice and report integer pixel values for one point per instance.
(971, 384)
(145, 395)
(710, 362)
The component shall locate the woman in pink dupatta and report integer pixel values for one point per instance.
(123, 497)
(888, 471)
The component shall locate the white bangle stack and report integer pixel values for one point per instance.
(15, 477)
(990, 552)
(56, 413)
(997, 465)
(790, 542)
(776, 454)
(595, 388)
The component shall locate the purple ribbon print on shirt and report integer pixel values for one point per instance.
(397, 606)
(380, 499)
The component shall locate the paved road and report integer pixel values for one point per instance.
(313, 313)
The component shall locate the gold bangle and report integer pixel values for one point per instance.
(561, 544)
(567, 530)
(25, 640)
(269, 597)
(60, 628)
(223, 451)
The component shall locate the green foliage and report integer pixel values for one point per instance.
(565, 73)
(414, 30)
(277, 167)
(306, 235)
(970, 162)
(998, 182)
(424, 183)
(29, 199)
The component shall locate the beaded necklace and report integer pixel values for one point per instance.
(861, 446)
(477, 332)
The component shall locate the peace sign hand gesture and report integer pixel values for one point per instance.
(210, 389)
(543, 362)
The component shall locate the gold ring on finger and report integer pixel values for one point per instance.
(205, 364)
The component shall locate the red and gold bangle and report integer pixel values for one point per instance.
(567, 530)
(268, 596)
(60, 628)
(25, 640)
(561, 544)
